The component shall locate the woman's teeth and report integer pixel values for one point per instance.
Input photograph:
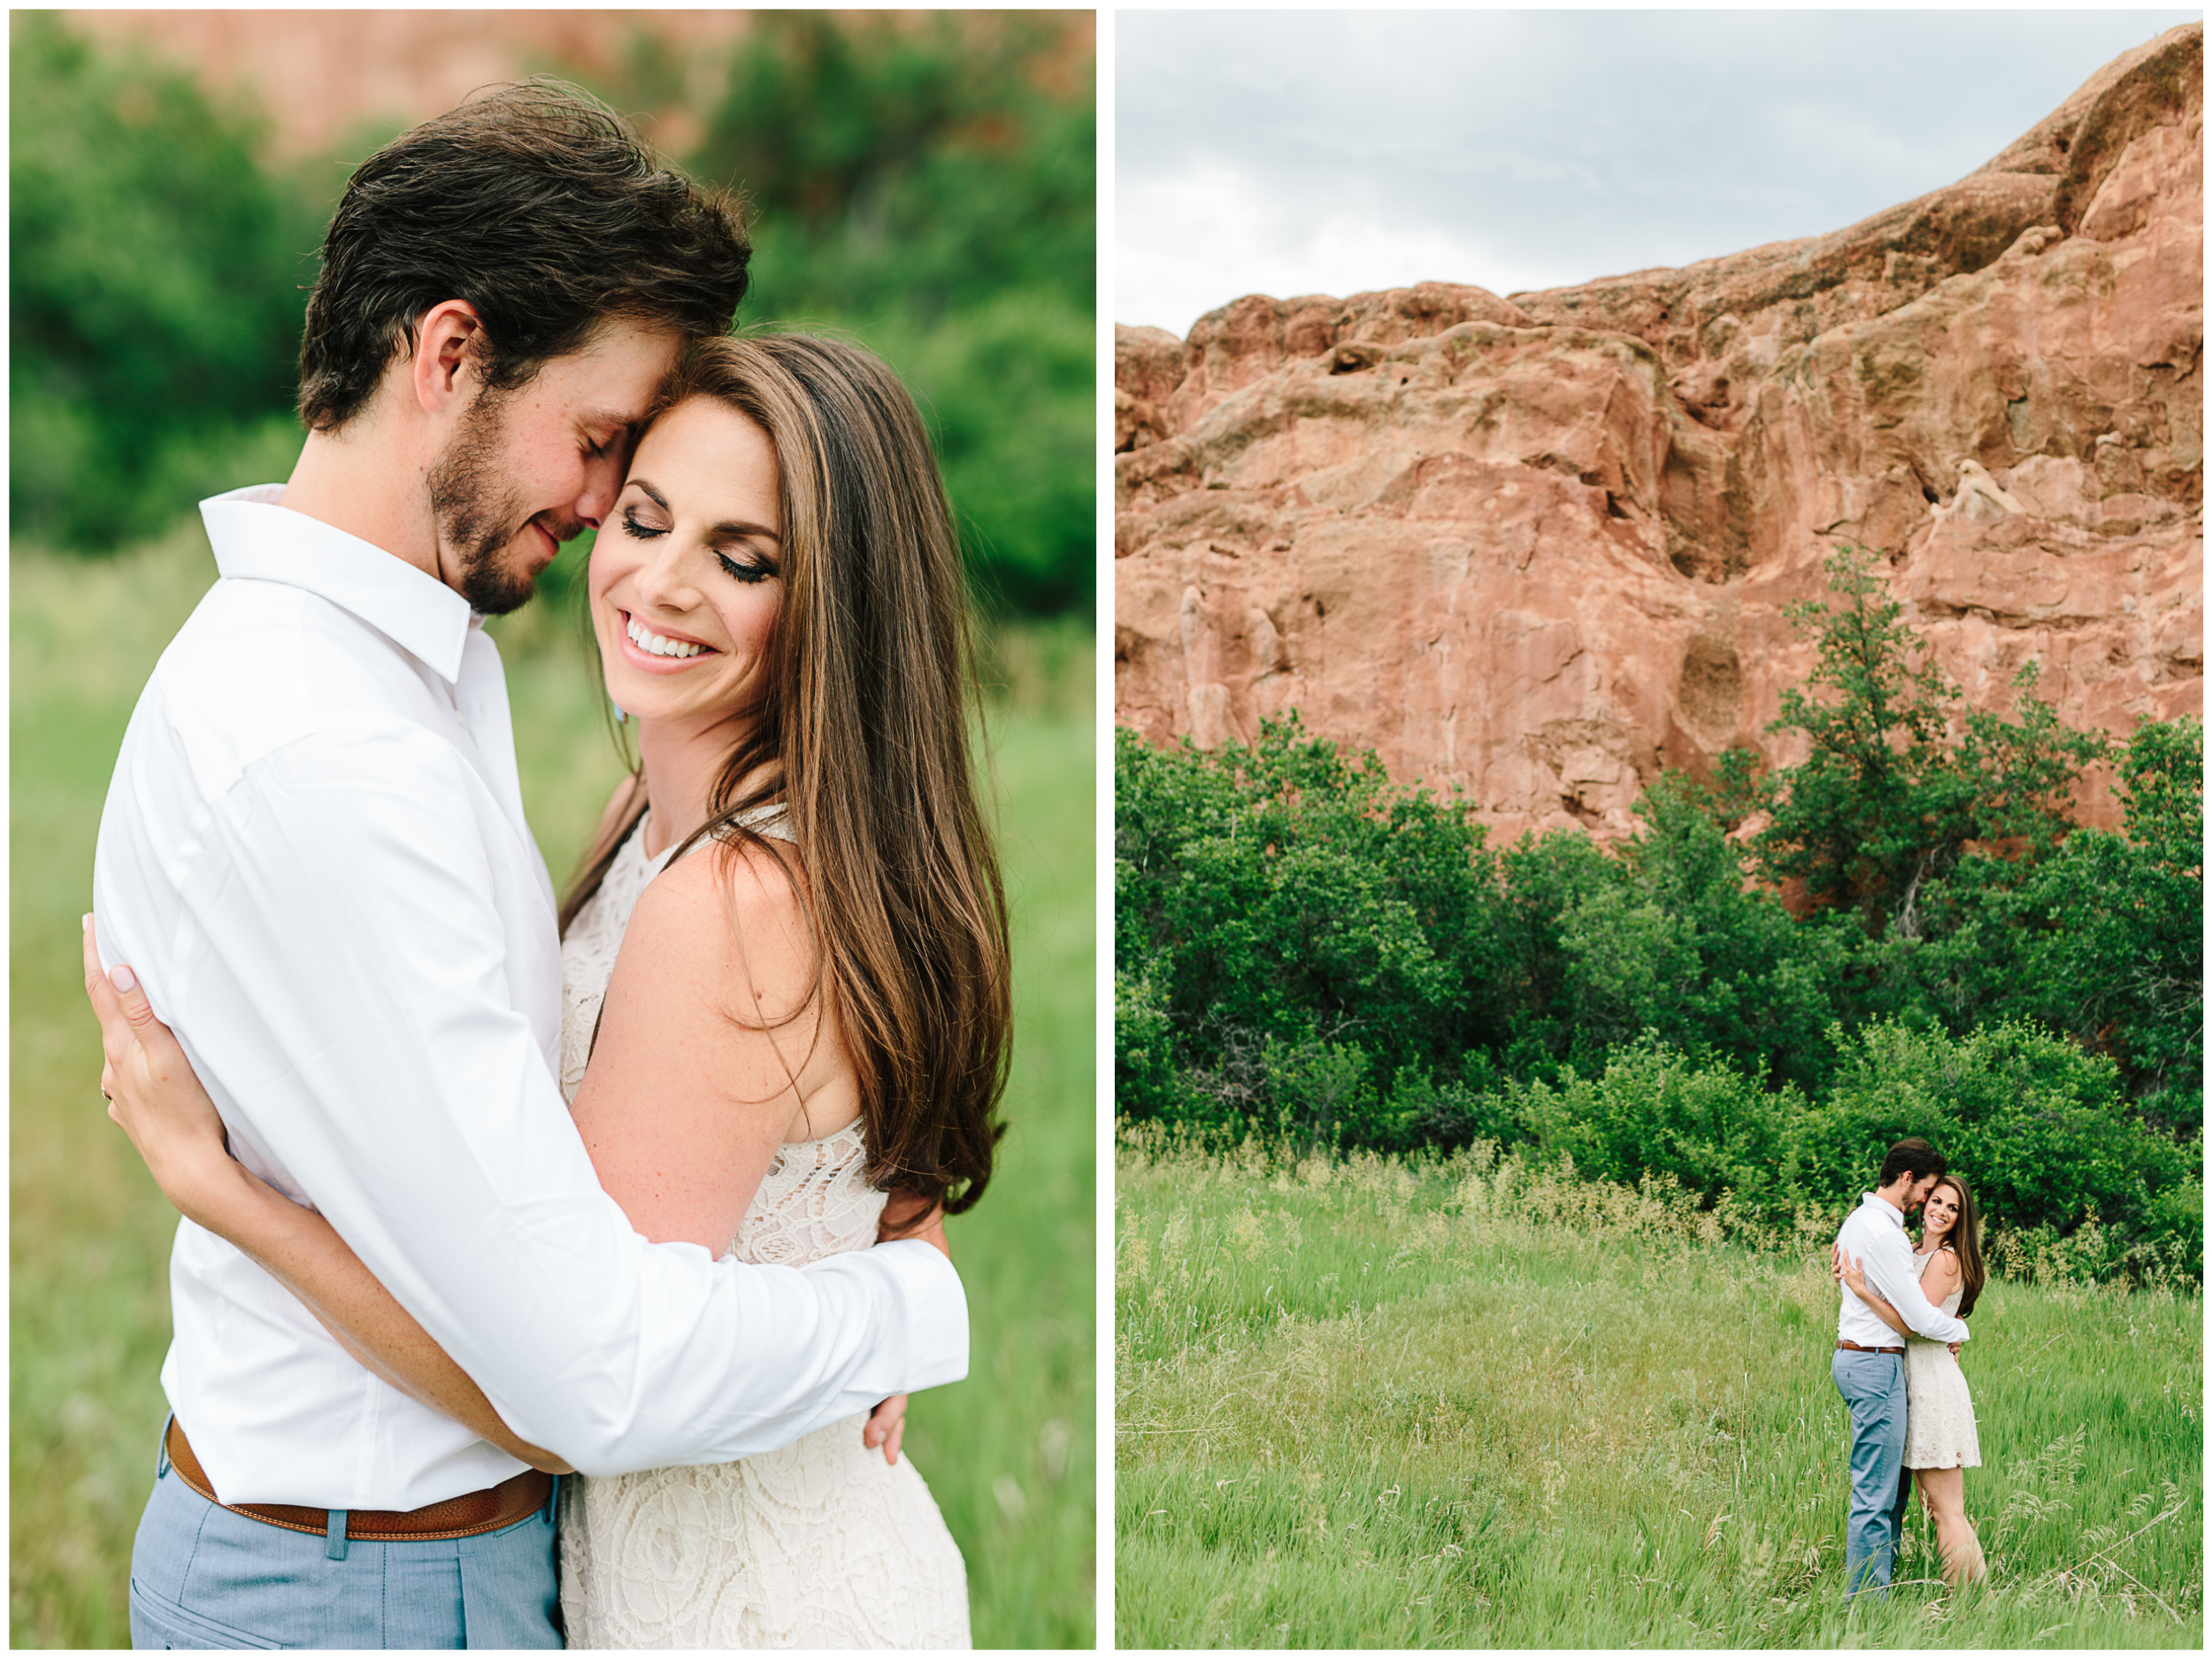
(646, 641)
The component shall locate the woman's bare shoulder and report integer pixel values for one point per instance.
(733, 914)
(707, 1054)
(764, 880)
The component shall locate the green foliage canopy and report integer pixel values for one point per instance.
(1308, 951)
(1886, 800)
(919, 182)
(925, 183)
(156, 289)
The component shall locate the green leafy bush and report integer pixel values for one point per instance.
(1654, 1111)
(2039, 1127)
(157, 283)
(1009, 387)
(1322, 1094)
(925, 184)
(928, 181)
(1317, 953)
(1673, 941)
(1457, 1112)
(1144, 1050)
(1890, 795)
(1282, 891)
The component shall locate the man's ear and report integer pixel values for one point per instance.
(443, 372)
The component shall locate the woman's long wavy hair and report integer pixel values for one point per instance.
(862, 737)
(1966, 1239)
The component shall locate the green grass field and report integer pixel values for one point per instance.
(1010, 1453)
(1365, 1404)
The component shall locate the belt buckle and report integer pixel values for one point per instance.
(365, 1525)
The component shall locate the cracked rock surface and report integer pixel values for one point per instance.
(1539, 547)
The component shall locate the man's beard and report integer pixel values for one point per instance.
(476, 518)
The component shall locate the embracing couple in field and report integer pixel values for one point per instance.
(482, 1188)
(1898, 1332)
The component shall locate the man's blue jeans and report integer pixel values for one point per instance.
(1873, 1385)
(203, 1576)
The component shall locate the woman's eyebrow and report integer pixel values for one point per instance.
(729, 529)
(734, 529)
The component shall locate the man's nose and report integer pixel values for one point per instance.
(603, 482)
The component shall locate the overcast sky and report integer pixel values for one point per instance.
(1329, 152)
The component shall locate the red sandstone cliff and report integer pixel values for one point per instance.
(1539, 547)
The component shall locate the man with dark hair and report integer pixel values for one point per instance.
(1868, 1367)
(525, 227)
(314, 857)
(542, 205)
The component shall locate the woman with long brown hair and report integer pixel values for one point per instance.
(786, 992)
(1941, 1440)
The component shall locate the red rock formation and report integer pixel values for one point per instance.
(1540, 548)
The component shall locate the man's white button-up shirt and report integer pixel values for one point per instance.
(313, 855)
(1875, 1234)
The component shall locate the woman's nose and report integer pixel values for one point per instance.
(663, 580)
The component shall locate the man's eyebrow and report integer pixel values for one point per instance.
(618, 420)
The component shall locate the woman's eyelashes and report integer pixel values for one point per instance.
(744, 565)
(745, 573)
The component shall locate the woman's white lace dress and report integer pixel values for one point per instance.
(1938, 1411)
(819, 1545)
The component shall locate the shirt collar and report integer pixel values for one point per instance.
(257, 540)
(1896, 1214)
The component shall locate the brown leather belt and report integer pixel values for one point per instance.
(512, 1500)
(1855, 1348)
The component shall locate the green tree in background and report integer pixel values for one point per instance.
(157, 282)
(1283, 893)
(2104, 940)
(916, 183)
(1308, 951)
(1887, 801)
(916, 161)
(1980, 900)
(923, 183)
(1676, 944)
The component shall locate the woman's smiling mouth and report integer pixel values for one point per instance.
(661, 645)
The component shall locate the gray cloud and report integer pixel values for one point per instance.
(1325, 151)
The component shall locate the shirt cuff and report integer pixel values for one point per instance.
(932, 1307)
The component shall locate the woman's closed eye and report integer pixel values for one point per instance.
(632, 525)
(746, 566)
